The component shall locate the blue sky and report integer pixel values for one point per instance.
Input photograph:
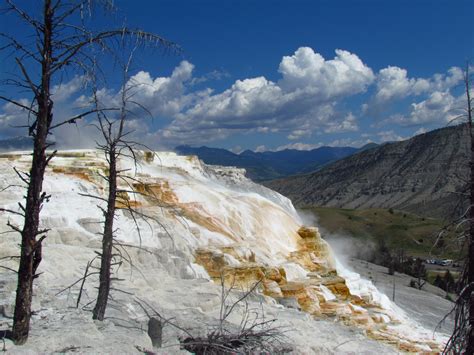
(273, 74)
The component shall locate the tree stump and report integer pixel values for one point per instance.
(155, 332)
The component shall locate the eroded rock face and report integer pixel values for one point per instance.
(215, 223)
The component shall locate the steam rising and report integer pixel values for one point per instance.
(343, 245)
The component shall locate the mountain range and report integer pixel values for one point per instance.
(16, 143)
(426, 174)
(261, 166)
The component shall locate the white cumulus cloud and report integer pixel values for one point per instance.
(325, 79)
(393, 82)
(299, 146)
(302, 101)
(440, 107)
(433, 95)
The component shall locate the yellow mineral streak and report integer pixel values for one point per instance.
(384, 334)
(157, 192)
(307, 297)
(313, 252)
(245, 255)
(81, 166)
(148, 156)
(244, 275)
(79, 172)
(335, 284)
(160, 193)
(196, 213)
(124, 201)
(10, 156)
(213, 262)
(193, 159)
(72, 154)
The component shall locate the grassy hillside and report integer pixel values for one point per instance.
(397, 229)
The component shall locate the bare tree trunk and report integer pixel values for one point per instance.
(470, 257)
(107, 240)
(31, 247)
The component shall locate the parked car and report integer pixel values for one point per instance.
(446, 262)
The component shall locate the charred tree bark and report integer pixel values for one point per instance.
(107, 240)
(31, 250)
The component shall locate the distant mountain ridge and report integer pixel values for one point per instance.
(270, 165)
(16, 143)
(425, 175)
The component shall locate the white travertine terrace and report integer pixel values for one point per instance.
(212, 220)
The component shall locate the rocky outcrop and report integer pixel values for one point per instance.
(423, 175)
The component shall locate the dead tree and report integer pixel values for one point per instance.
(467, 281)
(116, 145)
(462, 338)
(62, 42)
(469, 278)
